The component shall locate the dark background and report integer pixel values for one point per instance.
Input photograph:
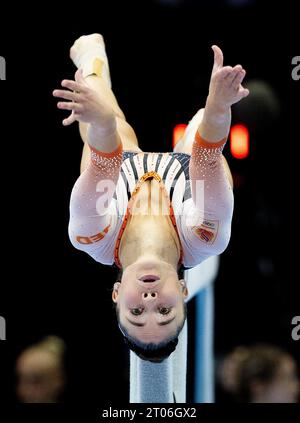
(160, 62)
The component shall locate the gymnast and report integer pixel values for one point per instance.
(150, 214)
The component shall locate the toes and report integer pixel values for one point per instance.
(72, 51)
(85, 40)
(97, 37)
(88, 38)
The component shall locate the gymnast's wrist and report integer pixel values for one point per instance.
(103, 137)
(216, 110)
(104, 126)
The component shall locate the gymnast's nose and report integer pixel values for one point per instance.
(149, 296)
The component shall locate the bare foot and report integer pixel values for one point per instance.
(85, 43)
(88, 53)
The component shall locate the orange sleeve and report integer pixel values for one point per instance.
(202, 143)
(107, 164)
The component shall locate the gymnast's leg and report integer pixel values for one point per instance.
(88, 53)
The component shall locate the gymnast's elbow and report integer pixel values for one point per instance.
(76, 241)
(222, 240)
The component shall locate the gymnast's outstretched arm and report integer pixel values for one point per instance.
(94, 189)
(225, 89)
(207, 165)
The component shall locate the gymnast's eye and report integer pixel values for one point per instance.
(164, 310)
(136, 311)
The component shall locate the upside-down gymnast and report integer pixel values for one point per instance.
(150, 214)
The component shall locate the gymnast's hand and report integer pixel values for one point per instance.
(86, 105)
(225, 86)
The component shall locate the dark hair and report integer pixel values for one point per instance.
(155, 353)
(249, 364)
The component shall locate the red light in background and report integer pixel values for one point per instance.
(239, 141)
(178, 132)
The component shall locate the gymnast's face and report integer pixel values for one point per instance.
(150, 300)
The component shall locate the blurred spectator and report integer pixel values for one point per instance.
(260, 374)
(40, 372)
